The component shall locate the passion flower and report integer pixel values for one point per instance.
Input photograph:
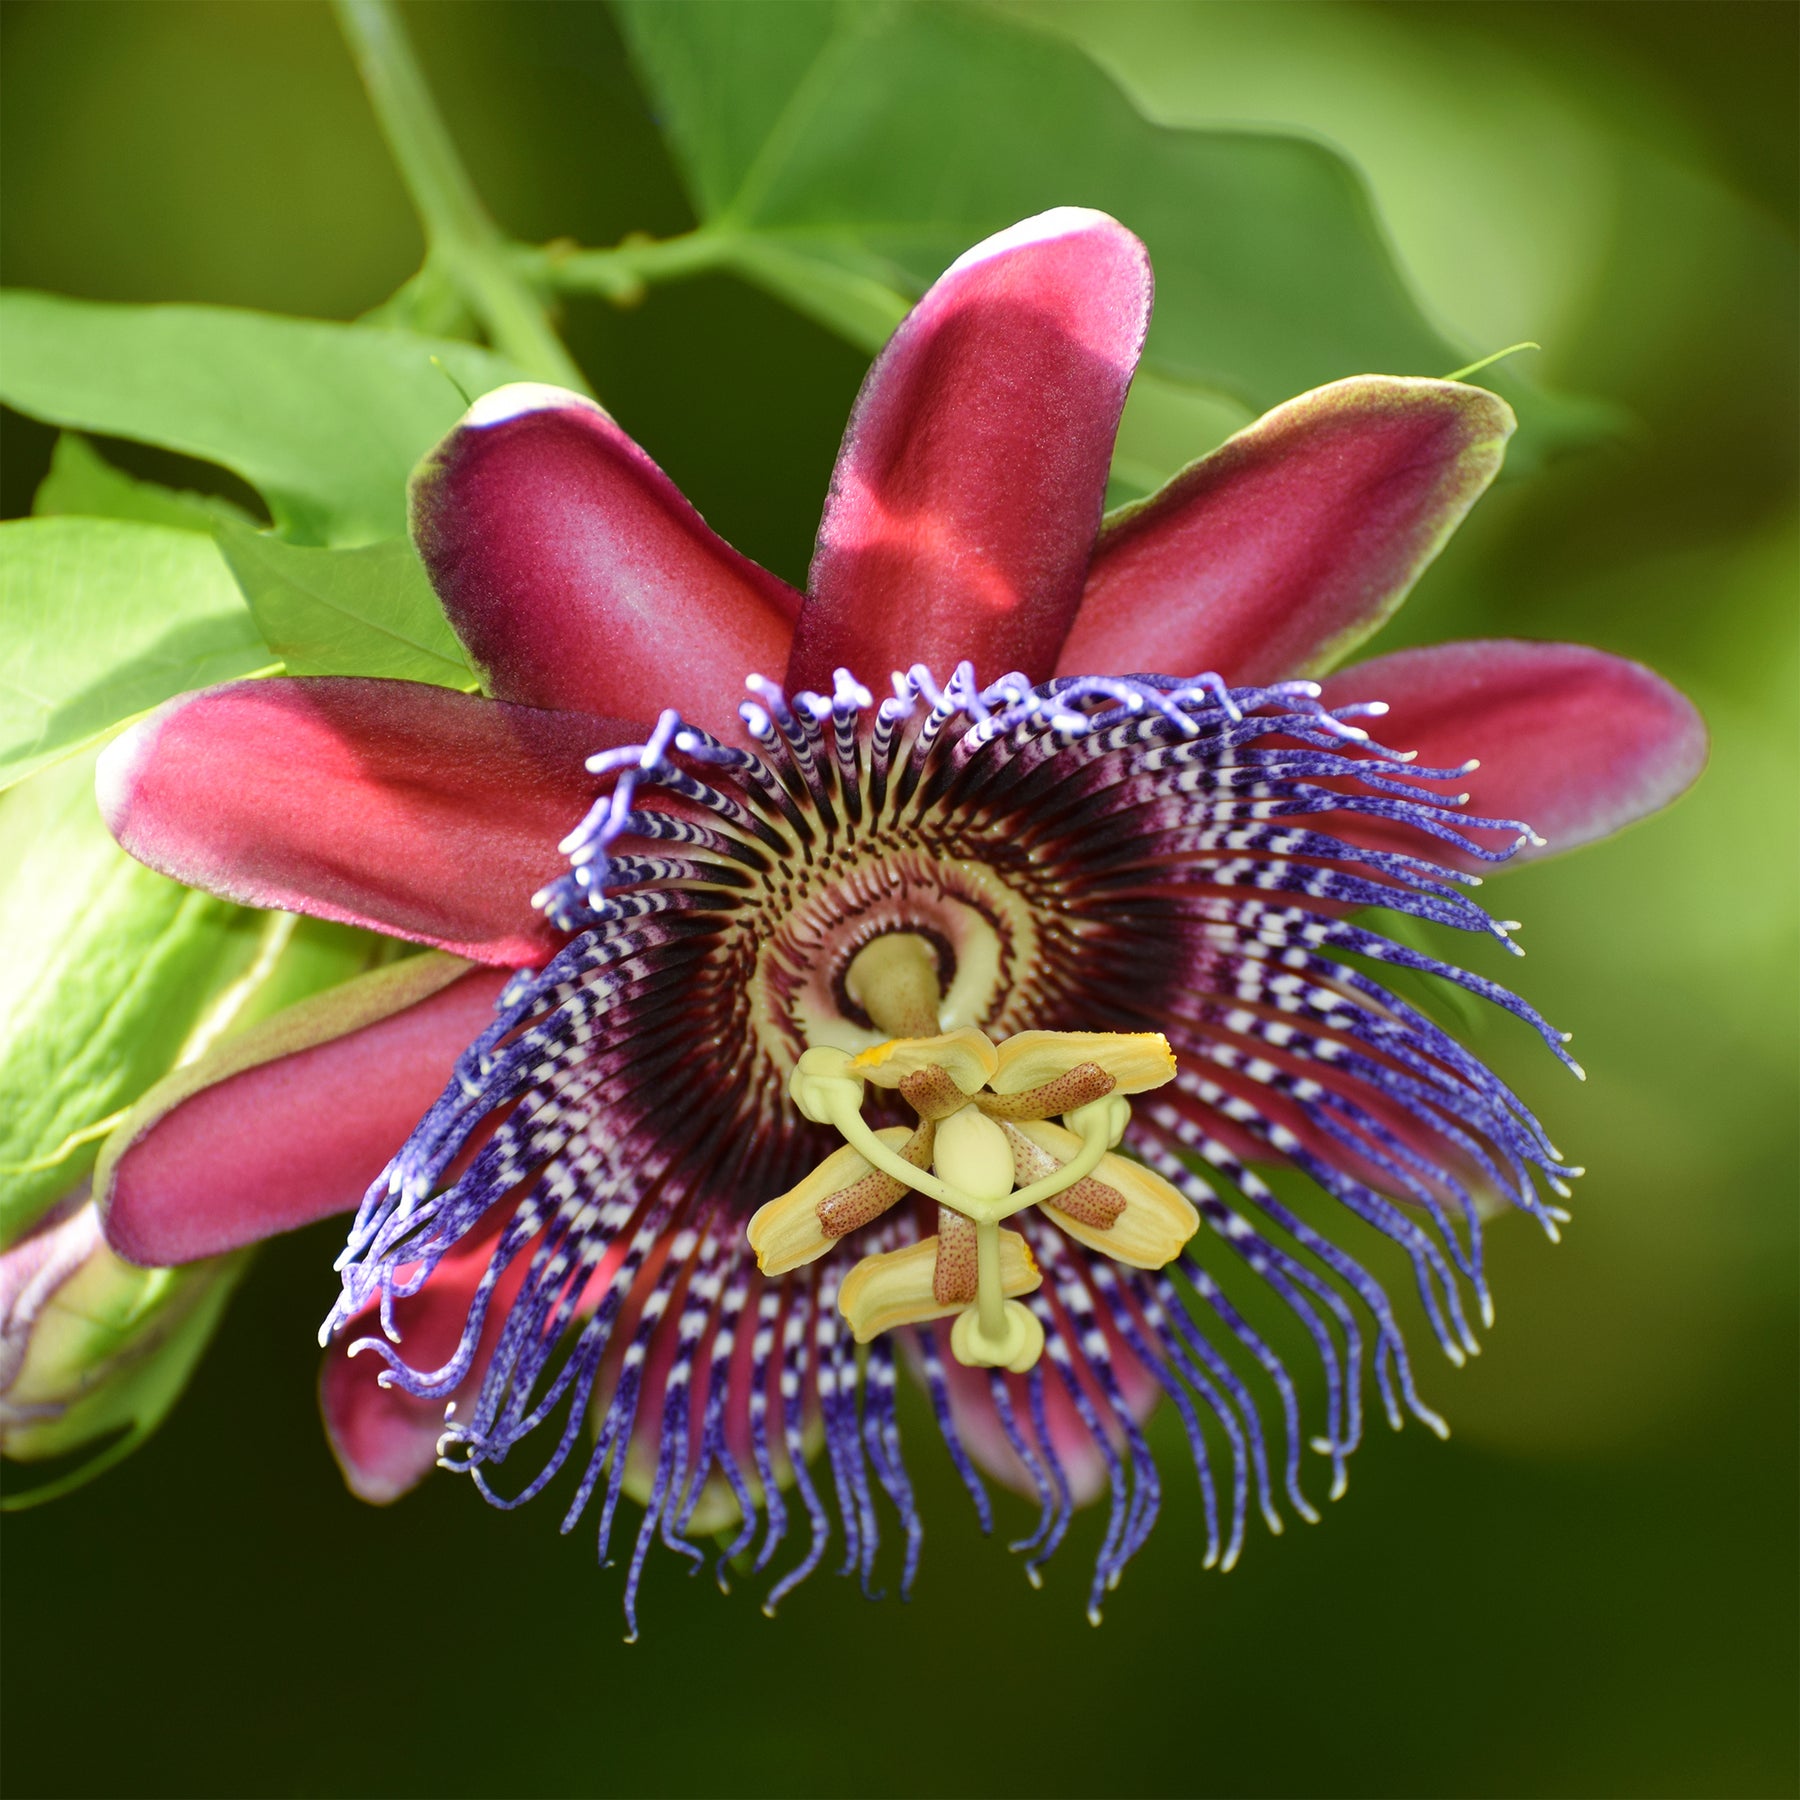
(777, 1071)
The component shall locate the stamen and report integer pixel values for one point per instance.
(1084, 1083)
(866, 1200)
(932, 1094)
(983, 1169)
(953, 1280)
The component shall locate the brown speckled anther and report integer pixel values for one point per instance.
(1088, 1201)
(866, 1200)
(955, 1279)
(932, 1094)
(1080, 1085)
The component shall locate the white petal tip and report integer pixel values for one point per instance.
(518, 398)
(1041, 228)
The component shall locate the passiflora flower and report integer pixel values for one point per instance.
(646, 1148)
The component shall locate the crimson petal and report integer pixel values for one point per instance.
(293, 1119)
(970, 484)
(1287, 546)
(1573, 741)
(576, 574)
(408, 809)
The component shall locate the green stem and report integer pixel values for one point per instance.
(621, 273)
(459, 235)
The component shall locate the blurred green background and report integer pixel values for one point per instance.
(1591, 1588)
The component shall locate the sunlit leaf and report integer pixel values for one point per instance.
(369, 611)
(107, 969)
(103, 618)
(1496, 190)
(111, 974)
(83, 483)
(847, 154)
(324, 421)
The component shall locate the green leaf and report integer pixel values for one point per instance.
(1166, 425)
(83, 483)
(324, 421)
(369, 611)
(108, 968)
(103, 618)
(1496, 188)
(842, 156)
(112, 975)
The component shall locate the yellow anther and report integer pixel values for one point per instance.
(1090, 1200)
(1086, 1081)
(954, 1280)
(1136, 1060)
(789, 1231)
(829, 1097)
(1157, 1220)
(977, 1166)
(895, 1288)
(932, 1094)
(866, 1200)
(966, 1056)
(1094, 1141)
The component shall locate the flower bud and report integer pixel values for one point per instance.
(91, 1346)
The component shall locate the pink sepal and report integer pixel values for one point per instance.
(1575, 742)
(1280, 552)
(970, 484)
(385, 1439)
(577, 575)
(291, 1120)
(411, 810)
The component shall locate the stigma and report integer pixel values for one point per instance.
(983, 1149)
